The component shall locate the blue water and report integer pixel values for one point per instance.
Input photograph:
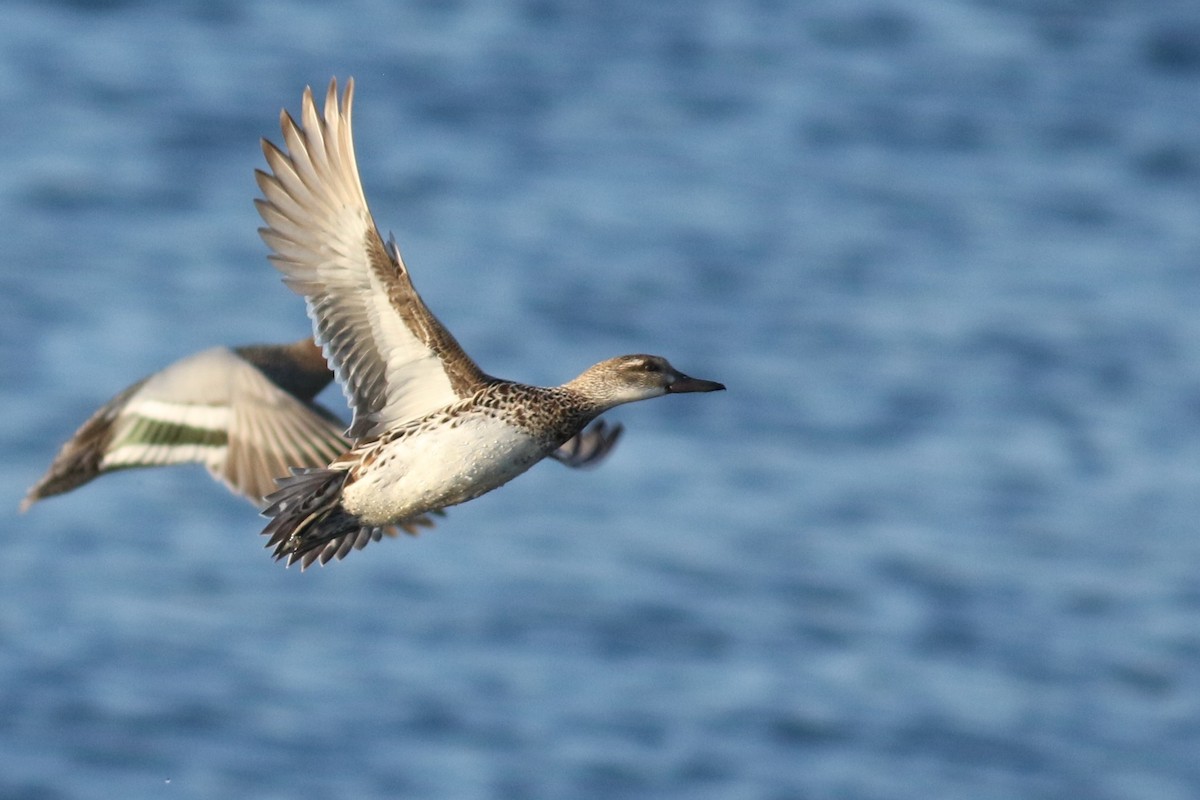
(940, 538)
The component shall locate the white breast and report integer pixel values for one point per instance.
(441, 466)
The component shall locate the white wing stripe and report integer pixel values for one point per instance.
(214, 418)
(147, 454)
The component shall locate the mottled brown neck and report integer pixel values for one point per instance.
(555, 413)
(298, 368)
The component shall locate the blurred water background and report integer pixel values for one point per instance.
(938, 540)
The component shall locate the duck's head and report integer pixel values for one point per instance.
(626, 379)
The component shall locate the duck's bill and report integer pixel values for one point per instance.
(685, 384)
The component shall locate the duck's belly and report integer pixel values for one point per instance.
(441, 466)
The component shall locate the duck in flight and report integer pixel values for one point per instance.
(245, 413)
(430, 429)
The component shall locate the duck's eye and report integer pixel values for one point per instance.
(650, 366)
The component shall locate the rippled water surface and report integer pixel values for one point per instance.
(938, 540)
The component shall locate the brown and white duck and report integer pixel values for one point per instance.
(430, 428)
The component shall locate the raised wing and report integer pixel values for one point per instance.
(589, 447)
(211, 408)
(395, 361)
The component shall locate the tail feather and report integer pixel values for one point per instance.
(308, 522)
